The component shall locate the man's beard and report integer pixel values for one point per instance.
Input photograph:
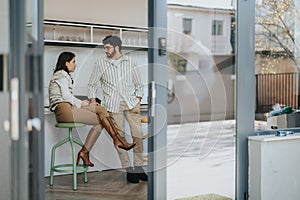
(112, 54)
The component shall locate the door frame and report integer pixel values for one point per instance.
(26, 62)
(36, 138)
(245, 88)
(245, 92)
(16, 69)
(157, 79)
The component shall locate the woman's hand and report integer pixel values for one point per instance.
(85, 103)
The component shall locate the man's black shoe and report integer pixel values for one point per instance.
(140, 173)
(131, 176)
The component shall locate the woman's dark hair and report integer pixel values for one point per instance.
(113, 40)
(61, 61)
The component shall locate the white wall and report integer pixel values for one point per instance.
(114, 12)
(85, 59)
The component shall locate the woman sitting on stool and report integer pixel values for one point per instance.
(68, 108)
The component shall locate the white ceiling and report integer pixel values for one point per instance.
(113, 12)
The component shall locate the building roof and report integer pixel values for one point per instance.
(219, 4)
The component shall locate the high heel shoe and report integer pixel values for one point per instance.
(84, 155)
(119, 141)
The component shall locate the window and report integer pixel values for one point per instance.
(217, 27)
(187, 25)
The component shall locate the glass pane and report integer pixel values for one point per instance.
(276, 63)
(4, 43)
(4, 31)
(5, 141)
(277, 99)
(201, 100)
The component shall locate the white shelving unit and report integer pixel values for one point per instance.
(84, 34)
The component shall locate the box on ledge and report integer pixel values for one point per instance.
(284, 121)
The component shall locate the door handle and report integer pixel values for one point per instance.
(153, 98)
(14, 109)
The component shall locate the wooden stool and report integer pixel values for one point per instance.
(75, 168)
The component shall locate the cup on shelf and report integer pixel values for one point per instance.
(80, 39)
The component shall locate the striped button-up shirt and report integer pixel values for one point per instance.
(117, 84)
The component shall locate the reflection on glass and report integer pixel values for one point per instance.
(276, 59)
(201, 92)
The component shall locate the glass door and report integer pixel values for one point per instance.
(20, 93)
(34, 37)
(5, 138)
(201, 134)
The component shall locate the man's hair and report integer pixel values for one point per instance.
(113, 40)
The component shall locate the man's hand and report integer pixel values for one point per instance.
(94, 102)
(140, 98)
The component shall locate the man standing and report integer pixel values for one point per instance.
(122, 89)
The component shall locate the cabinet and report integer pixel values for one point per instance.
(91, 35)
(274, 167)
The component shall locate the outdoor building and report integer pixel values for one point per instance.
(200, 38)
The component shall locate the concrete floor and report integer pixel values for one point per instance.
(201, 158)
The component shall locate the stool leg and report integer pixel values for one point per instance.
(85, 174)
(53, 158)
(85, 167)
(73, 160)
(78, 142)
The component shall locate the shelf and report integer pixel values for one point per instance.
(89, 45)
(61, 33)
